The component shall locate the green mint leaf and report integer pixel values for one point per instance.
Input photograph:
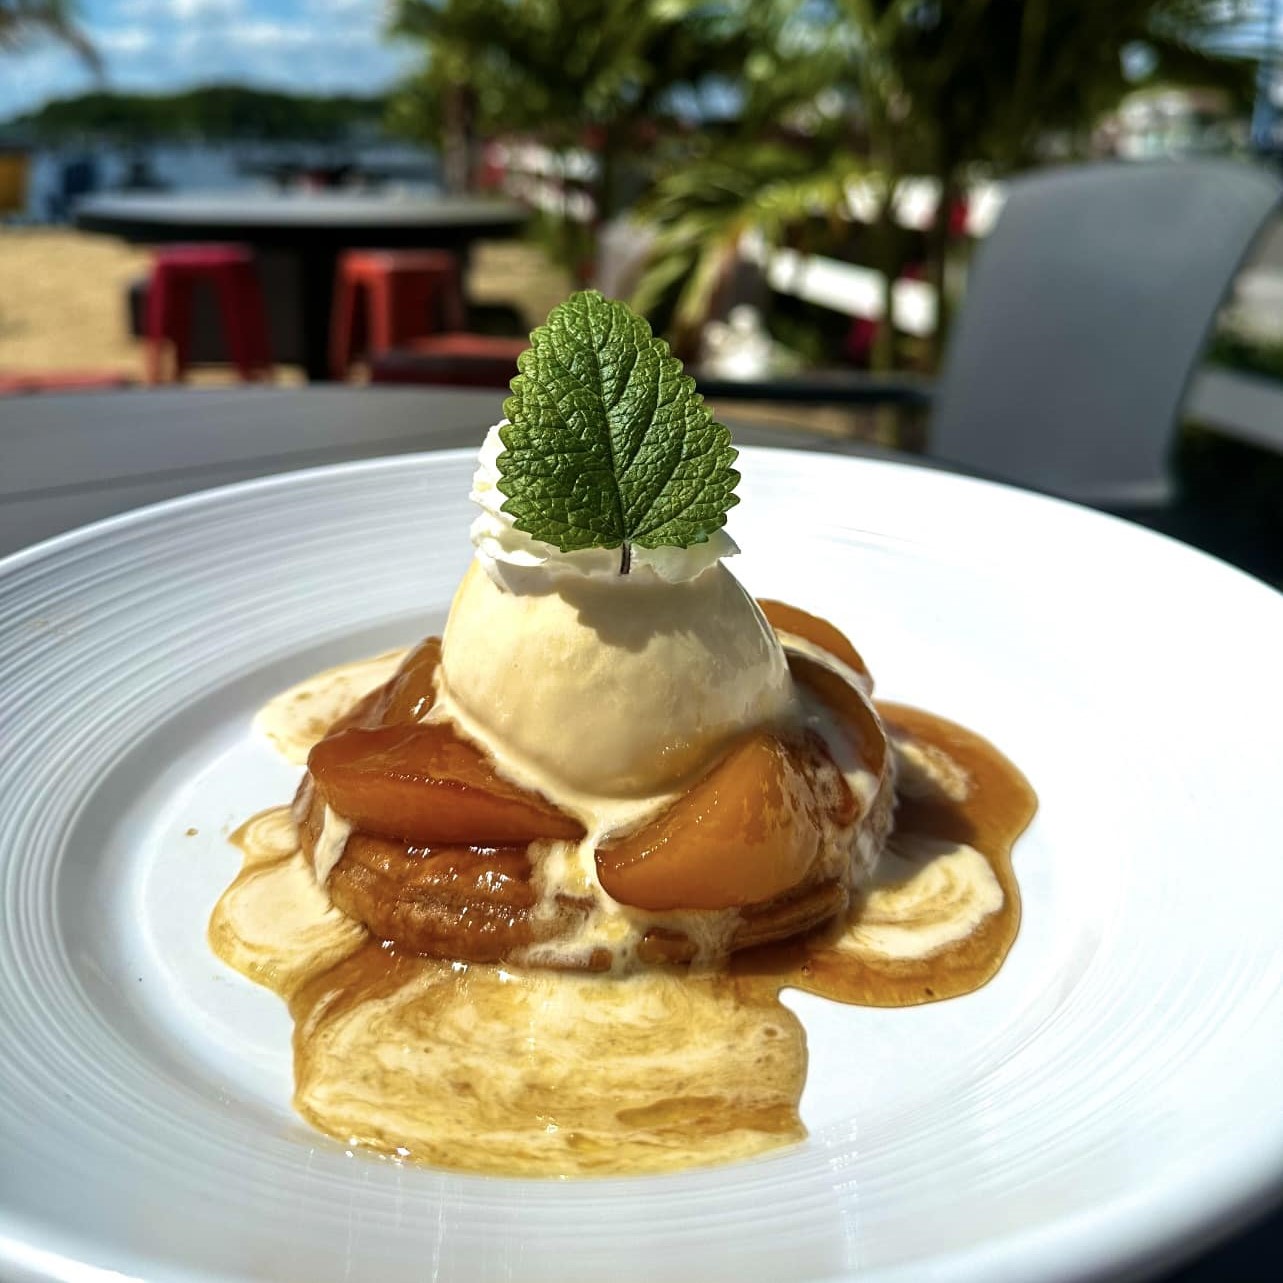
(608, 444)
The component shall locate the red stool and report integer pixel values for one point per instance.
(407, 293)
(456, 360)
(229, 269)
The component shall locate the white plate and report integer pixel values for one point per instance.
(1111, 1098)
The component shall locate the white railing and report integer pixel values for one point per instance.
(540, 175)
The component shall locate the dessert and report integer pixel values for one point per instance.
(714, 794)
(612, 811)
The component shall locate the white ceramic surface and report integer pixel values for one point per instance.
(1112, 1097)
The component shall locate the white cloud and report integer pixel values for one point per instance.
(181, 10)
(187, 9)
(350, 8)
(288, 35)
(123, 40)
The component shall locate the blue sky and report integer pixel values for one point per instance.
(322, 45)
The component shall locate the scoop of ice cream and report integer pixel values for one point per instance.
(608, 684)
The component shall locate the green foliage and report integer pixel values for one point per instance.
(216, 111)
(561, 69)
(1253, 356)
(991, 78)
(562, 65)
(702, 209)
(22, 21)
(883, 89)
(826, 91)
(608, 442)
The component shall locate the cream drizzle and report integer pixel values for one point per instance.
(297, 718)
(335, 831)
(919, 900)
(926, 895)
(804, 646)
(495, 1069)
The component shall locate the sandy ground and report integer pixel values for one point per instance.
(62, 301)
(62, 298)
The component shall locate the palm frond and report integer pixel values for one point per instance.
(22, 21)
(704, 211)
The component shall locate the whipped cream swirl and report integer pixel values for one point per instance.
(501, 547)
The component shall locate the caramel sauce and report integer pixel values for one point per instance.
(957, 797)
(481, 1068)
(474, 1067)
(484, 1068)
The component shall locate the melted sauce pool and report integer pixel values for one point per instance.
(487, 1069)
(944, 907)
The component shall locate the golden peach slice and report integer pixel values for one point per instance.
(412, 689)
(422, 783)
(819, 632)
(862, 725)
(745, 833)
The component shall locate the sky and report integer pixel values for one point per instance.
(318, 45)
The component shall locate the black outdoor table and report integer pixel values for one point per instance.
(311, 229)
(74, 458)
(845, 388)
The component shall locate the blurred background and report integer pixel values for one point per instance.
(799, 194)
(1038, 240)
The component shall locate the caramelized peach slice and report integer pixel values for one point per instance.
(450, 902)
(365, 712)
(404, 697)
(746, 832)
(789, 619)
(863, 727)
(422, 783)
(411, 691)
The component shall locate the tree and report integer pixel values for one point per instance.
(22, 21)
(212, 111)
(994, 78)
(924, 87)
(568, 71)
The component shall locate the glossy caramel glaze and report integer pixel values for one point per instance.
(422, 783)
(790, 621)
(768, 843)
(487, 1068)
(961, 807)
(755, 813)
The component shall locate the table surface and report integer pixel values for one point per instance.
(303, 210)
(70, 459)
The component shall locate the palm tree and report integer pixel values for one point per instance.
(924, 86)
(563, 70)
(24, 20)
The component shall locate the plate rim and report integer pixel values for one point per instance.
(1121, 1235)
(906, 464)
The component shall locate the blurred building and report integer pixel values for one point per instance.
(1172, 121)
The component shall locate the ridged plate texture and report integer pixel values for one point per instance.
(1111, 1098)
